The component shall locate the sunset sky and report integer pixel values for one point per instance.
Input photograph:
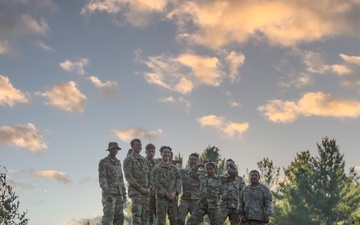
(255, 78)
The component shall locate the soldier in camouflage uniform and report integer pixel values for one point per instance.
(229, 198)
(255, 202)
(137, 174)
(210, 185)
(113, 189)
(150, 153)
(167, 182)
(190, 191)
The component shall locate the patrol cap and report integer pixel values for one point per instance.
(113, 145)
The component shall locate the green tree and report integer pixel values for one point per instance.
(9, 206)
(212, 153)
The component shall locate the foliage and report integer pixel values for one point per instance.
(212, 153)
(9, 207)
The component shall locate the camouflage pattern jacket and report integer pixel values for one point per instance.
(230, 193)
(210, 186)
(255, 202)
(137, 173)
(152, 164)
(190, 186)
(111, 177)
(166, 179)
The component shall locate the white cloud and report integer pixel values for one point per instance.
(28, 137)
(43, 46)
(10, 95)
(21, 25)
(236, 60)
(6, 48)
(77, 67)
(233, 104)
(108, 87)
(351, 59)
(52, 175)
(228, 128)
(296, 81)
(67, 97)
(310, 104)
(184, 103)
(128, 135)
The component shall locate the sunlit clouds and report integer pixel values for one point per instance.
(51, 175)
(184, 103)
(110, 88)
(5, 48)
(77, 66)
(141, 133)
(66, 96)
(228, 128)
(310, 104)
(24, 136)
(9, 95)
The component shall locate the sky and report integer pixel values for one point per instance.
(254, 78)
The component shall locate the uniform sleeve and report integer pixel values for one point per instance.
(128, 174)
(269, 206)
(240, 207)
(178, 181)
(102, 177)
(193, 172)
(160, 190)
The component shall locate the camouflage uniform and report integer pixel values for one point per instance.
(137, 174)
(255, 202)
(229, 201)
(190, 195)
(152, 208)
(112, 183)
(209, 195)
(166, 179)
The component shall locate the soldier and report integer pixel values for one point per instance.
(150, 153)
(137, 174)
(210, 185)
(113, 189)
(255, 202)
(167, 182)
(229, 198)
(190, 189)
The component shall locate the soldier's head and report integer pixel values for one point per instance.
(150, 151)
(113, 148)
(166, 153)
(229, 162)
(254, 177)
(193, 159)
(136, 145)
(210, 168)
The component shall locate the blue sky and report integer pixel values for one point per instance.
(254, 78)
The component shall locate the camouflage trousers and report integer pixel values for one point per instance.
(152, 210)
(186, 206)
(225, 212)
(113, 211)
(163, 207)
(200, 212)
(252, 222)
(140, 209)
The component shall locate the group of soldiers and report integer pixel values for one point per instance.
(155, 185)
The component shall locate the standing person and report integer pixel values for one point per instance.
(137, 174)
(190, 190)
(150, 153)
(255, 202)
(112, 185)
(210, 185)
(229, 198)
(167, 182)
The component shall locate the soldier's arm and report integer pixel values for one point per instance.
(160, 190)
(128, 174)
(178, 181)
(232, 175)
(269, 207)
(193, 172)
(241, 205)
(102, 177)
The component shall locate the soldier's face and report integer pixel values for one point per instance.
(228, 163)
(193, 160)
(137, 147)
(150, 153)
(113, 152)
(254, 178)
(210, 170)
(166, 154)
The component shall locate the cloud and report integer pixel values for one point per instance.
(128, 135)
(94, 220)
(23, 136)
(17, 26)
(138, 12)
(43, 46)
(52, 175)
(10, 95)
(6, 48)
(351, 59)
(66, 96)
(108, 87)
(228, 128)
(286, 22)
(233, 104)
(185, 104)
(77, 67)
(310, 104)
(296, 81)
(184, 72)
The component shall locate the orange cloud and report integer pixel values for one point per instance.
(228, 128)
(51, 174)
(10, 95)
(77, 67)
(109, 87)
(128, 135)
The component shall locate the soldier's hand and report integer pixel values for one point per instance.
(144, 191)
(109, 198)
(202, 165)
(243, 219)
(266, 219)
